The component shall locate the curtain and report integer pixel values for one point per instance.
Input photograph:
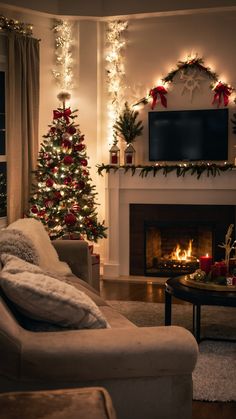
(22, 121)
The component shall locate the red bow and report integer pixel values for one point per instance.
(221, 90)
(161, 91)
(65, 114)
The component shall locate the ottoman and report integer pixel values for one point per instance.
(82, 403)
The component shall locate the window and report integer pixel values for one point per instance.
(3, 164)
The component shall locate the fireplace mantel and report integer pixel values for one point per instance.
(123, 189)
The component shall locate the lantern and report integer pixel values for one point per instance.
(129, 155)
(115, 155)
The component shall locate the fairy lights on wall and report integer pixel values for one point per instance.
(115, 70)
(63, 52)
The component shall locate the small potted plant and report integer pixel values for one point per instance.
(128, 128)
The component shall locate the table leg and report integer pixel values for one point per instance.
(197, 321)
(168, 301)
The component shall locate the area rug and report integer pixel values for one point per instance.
(214, 378)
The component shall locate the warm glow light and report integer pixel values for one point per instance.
(64, 73)
(115, 73)
(182, 254)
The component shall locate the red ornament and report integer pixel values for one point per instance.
(83, 162)
(71, 130)
(222, 91)
(75, 208)
(41, 213)
(68, 160)
(48, 203)
(70, 219)
(34, 209)
(67, 180)
(57, 196)
(49, 183)
(80, 185)
(158, 91)
(79, 147)
(85, 172)
(54, 169)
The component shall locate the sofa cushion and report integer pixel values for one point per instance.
(47, 255)
(45, 298)
(16, 243)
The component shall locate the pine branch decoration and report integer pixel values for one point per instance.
(126, 125)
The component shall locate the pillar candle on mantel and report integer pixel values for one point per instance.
(206, 263)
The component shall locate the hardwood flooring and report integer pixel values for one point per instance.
(115, 290)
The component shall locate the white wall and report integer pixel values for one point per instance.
(155, 44)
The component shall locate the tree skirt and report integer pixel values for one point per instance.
(214, 377)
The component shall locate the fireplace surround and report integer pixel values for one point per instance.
(124, 190)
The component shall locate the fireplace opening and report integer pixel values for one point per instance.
(176, 249)
(158, 230)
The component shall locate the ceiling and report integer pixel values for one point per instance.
(102, 8)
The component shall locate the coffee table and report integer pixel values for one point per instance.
(174, 287)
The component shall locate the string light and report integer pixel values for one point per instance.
(115, 70)
(63, 52)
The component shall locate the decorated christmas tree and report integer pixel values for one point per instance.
(63, 197)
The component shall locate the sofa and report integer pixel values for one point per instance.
(147, 371)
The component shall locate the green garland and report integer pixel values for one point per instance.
(197, 169)
(12, 25)
(192, 63)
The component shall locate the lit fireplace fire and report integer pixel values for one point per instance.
(183, 254)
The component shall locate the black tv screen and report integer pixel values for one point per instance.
(188, 135)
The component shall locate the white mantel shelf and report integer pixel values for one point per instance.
(123, 189)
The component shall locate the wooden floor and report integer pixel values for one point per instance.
(111, 290)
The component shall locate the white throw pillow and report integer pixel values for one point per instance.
(48, 257)
(42, 297)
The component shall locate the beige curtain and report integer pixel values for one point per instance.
(22, 121)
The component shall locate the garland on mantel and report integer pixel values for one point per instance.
(211, 169)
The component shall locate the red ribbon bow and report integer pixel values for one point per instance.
(221, 91)
(161, 91)
(64, 114)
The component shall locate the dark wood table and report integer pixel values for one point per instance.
(198, 297)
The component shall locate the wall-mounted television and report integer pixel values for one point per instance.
(188, 135)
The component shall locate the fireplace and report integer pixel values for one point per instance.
(175, 247)
(168, 240)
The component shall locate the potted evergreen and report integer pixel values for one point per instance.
(128, 128)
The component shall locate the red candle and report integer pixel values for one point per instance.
(205, 263)
(129, 158)
(114, 159)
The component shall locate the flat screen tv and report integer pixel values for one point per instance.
(188, 135)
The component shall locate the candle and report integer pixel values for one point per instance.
(114, 159)
(129, 159)
(205, 263)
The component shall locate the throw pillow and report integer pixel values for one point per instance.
(16, 243)
(44, 298)
(48, 257)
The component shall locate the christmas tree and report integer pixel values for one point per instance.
(63, 197)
